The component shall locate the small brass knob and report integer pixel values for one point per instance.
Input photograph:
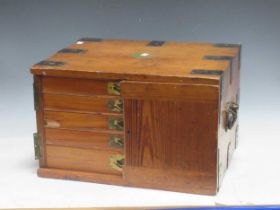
(115, 106)
(116, 123)
(117, 162)
(115, 141)
(113, 88)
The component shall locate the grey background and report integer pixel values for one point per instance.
(32, 30)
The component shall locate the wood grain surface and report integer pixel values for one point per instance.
(175, 119)
(80, 139)
(74, 86)
(80, 159)
(78, 121)
(163, 139)
(72, 103)
(115, 59)
(169, 91)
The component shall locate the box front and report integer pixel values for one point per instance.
(149, 134)
(80, 125)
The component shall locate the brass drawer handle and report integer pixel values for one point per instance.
(115, 106)
(115, 141)
(117, 162)
(231, 115)
(113, 88)
(116, 123)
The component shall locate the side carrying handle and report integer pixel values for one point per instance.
(231, 114)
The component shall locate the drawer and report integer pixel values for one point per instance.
(83, 121)
(106, 104)
(80, 86)
(84, 139)
(100, 161)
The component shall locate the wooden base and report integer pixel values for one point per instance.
(190, 187)
(80, 176)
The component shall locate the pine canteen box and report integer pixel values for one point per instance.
(152, 114)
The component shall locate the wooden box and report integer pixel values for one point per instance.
(149, 114)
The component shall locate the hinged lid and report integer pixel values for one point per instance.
(140, 60)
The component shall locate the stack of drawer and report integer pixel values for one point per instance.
(83, 125)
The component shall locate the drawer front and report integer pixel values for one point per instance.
(105, 104)
(84, 139)
(80, 86)
(100, 161)
(83, 121)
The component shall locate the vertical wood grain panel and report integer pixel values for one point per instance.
(171, 134)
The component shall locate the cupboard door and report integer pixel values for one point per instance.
(171, 133)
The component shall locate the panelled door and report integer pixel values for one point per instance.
(170, 133)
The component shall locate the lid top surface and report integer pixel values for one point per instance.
(149, 58)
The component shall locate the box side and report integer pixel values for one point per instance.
(228, 115)
(39, 136)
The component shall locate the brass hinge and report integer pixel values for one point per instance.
(37, 146)
(50, 63)
(155, 43)
(226, 58)
(90, 39)
(36, 97)
(72, 50)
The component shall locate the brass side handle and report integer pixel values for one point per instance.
(116, 162)
(231, 114)
(116, 124)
